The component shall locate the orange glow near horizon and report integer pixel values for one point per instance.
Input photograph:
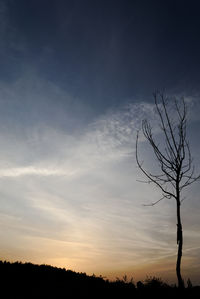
(162, 268)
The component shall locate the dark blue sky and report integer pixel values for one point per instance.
(104, 52)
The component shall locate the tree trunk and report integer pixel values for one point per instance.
(180, 245)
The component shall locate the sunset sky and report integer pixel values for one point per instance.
(76, 80)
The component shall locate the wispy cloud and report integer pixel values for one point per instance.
(72, 195)
(23, 171)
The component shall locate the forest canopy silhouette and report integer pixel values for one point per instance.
(29, 280)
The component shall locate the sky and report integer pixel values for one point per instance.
(76, 81)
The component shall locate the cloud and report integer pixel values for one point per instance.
(31, 170)
(70, 196)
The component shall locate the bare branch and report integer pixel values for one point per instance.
(174, 160)
(155, 202)
(147, 174)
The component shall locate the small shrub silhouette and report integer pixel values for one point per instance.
(155, 283)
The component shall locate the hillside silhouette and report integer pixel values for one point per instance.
(27, 280)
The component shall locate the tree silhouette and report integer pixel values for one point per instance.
(174, 159)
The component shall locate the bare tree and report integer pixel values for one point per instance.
(174, 160)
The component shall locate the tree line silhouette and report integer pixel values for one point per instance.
(27, 280)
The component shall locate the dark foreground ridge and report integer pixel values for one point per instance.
(27, 280)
